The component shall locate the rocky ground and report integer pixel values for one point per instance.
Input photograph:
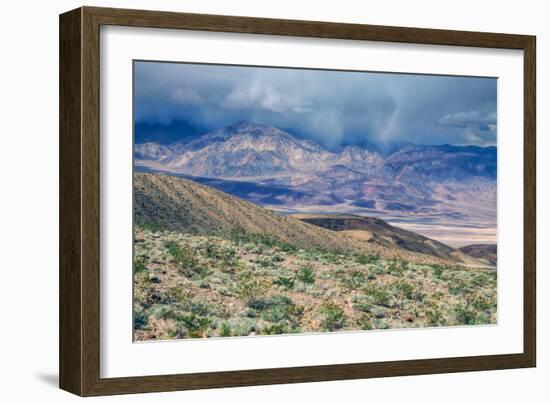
(204, 286)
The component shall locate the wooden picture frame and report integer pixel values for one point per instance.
(79, 346)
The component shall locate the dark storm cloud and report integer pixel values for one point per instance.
(330, 107)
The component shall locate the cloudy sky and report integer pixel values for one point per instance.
(333, 108)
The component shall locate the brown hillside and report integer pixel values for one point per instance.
(487, 253)
(380, 231)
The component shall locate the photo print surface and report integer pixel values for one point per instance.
(273, 201)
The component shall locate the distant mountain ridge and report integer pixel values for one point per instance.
(441, 185)
(249, 149)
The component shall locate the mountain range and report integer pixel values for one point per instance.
(416, 185)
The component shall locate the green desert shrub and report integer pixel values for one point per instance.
(396, 267)
(352, 279)
(211, 250)
(139, 265)
(164, 312)
(362, 304)
(265, 263)
(192, 325)
(458, 287)
(248, 285)
(277, 309)
(438, 271)
(228, 258)
(306, 275)
(331, 258)
(186, 260)
(151, 226)
(480, 280)
(364, 322)
(224, 257)
(242, 326)
(225, 330)
(332, 316)
(287, 247)
(376, 270)
(378, 296)
(141, 320)
(367, 259)
(285, 282)
(466, 315)
(435, 317)
(483, 303)
(176, 294)
(277, 328)
(277, 258)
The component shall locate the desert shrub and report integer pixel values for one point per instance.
(198, 308)
(381, 324)
(277, 258)
(376, 270)
(240, 236)
(265, 263)
(176, 294)
(277, 308)
(481, 280)
(483, 303)
(364, 322)
(151, 226)
(378, 296)
(242, 326)
(435, 317)
(228, 258)
(141, 319)
(225, 330)
(285, 282)
(223, 257)
(396, 267)
(259, 304)
(211, 250)
(311, 254)
(277, 328)
(249, 286)
(438, 270)
(459, 287)
(332, 317)
(192, 325)
(139, 265)
(352, 279)
(287, 247)
(164, 312)
(331, 258)
(465, 315)
(406, 290)
(282, 312)
(362, 304)
(367, 259)
(185, 259)
(306, 275)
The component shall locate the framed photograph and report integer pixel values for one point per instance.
(249, 201)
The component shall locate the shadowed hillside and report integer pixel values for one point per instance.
(487, 253)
